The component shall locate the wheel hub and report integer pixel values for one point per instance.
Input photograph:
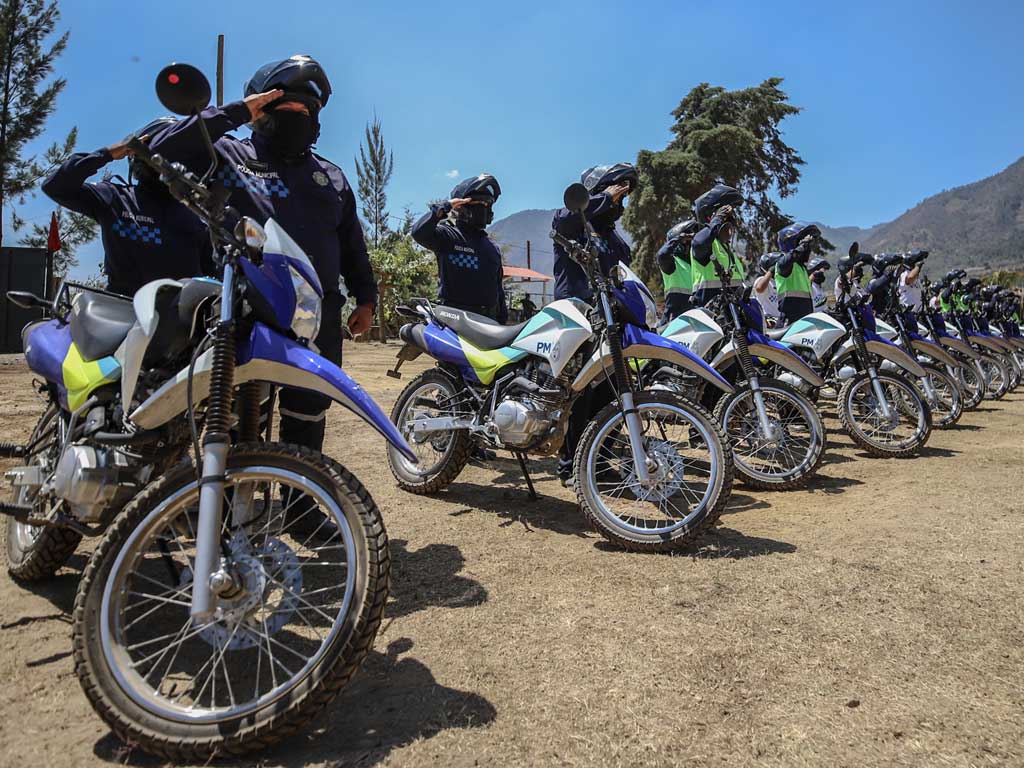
(666, 476)
(266, 585)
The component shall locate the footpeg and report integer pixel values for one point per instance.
(20, 512)
(11, 451)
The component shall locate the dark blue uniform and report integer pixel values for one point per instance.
(570, 279)
(571, 283)
(312, 200)
(469, 267)
(147, 234)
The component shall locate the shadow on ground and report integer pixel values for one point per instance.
(429, 577)
(393, 701)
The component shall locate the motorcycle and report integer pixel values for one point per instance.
(652, 471)
(991, 368)
(939, 387)
(777, 433)
(881, 410)
(228, 600)
(968, 373)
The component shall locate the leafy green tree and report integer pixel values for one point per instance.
(732, 137)
(28, 96)
(373, 169)
(403, 270)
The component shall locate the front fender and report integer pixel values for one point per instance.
(923, 346)
(985, 341)
(268, 356)
(959, 346)
(889, 351)
(639, 344)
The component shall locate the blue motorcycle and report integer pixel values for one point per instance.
(228, 599)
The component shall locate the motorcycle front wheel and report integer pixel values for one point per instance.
(996, 377)
(902, 433)
(690, 479)
(789, 456)
(972, 388)
(303, 606)
(947, 405)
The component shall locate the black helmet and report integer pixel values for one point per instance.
(815, 264)
(600, 177)
(885, 260)
(953, 275)
(300, 77)
(483, 187)
(768, 261)
(912, 258)
(688, 227)
(790, 236)
(990, 291)
(973, 283)
(846, 263)
(141, 171)
(719, 195)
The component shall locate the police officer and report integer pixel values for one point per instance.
(951, 295)
(816, 269)
(276, 174)
(909, 279)
(792, 280)
(146, 233)
(764, 289)
(469, 264)
(674, 261)
(882, 285)
(715, 211)
(608, 186)
(851, 272)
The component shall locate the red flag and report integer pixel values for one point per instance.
(53, 239)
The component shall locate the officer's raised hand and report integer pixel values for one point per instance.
(617, 192)
(257, 101)
(458, 202)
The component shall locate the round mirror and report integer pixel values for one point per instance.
(576, 197)
(182, 89)
(854, 249)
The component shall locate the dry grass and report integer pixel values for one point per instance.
(873, 619)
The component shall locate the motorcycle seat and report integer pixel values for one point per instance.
(99, 323)
(480, 331)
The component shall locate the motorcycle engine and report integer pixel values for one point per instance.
(90, 479)
(520, 420)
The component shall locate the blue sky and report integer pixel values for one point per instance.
(900, 99)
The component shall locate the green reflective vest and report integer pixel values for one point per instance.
(705, 277)
(797, 285)
(958, 303)
(680, 281)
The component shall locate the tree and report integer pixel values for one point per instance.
(403, 270)
(732, 137)
(373, 168)
(27, 96)
(75, 231)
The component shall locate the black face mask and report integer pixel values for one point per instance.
(475, 216)
(291, 134)
(818, 277)
(148, 180)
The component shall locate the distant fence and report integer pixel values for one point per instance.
(21, 269)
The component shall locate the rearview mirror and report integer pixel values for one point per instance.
(576, 197)
(854, 249)
(182, 89)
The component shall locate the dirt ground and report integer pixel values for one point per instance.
(876, 618)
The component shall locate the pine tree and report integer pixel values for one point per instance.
(373, 168)
(28, 96)
(724, 136)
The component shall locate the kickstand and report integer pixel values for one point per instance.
(526, 476)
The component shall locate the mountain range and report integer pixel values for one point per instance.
(978, 226)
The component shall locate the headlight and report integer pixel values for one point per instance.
(306, 319)
(652, 310)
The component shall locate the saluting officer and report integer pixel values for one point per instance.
(469, 267)
(275, 174)
(147, 234)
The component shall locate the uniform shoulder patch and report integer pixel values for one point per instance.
(321, 178)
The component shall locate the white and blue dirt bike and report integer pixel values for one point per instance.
(940, 385)
(881, 410)
(990, 364)
(652, 470)
(226, 603)
(969, 371)
(777, 435)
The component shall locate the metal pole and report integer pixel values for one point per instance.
(528, 255)
(220, 70)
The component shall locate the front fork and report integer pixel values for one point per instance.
(634, 427)
(208, 573)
